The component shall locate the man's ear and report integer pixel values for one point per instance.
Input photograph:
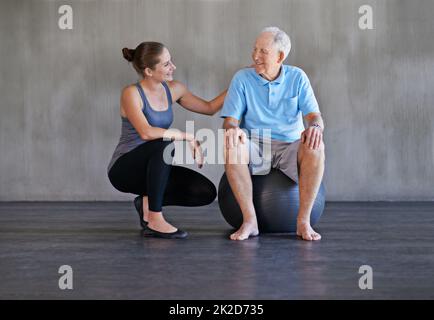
(281, 57)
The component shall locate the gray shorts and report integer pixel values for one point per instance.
(276, 154)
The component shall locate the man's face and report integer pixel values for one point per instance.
(265, 56)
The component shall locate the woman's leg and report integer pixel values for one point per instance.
(188, 188)
(158, 172)
(144, 171)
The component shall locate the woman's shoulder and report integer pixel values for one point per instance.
(129, 88)
(176, 85)
(130, 96)
(130, 92)
(177, 89)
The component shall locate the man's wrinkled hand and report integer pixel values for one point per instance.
(312, 137)
(233, 136)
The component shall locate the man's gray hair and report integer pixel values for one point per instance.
(281, 40)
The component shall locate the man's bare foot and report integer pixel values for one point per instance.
(305, 231)
(158, 223)
(247, 229)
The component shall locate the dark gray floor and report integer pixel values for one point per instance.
(111, 259)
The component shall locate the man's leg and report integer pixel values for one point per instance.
(237, 172)
(311, 170)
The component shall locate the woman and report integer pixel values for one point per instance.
(139, 164)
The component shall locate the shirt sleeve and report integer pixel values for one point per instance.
(306, 98)
(235, 100)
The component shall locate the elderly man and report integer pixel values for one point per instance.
(273, 96)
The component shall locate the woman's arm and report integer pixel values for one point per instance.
(132, 106)
(189, 101)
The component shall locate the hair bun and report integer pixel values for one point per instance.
(128, 54)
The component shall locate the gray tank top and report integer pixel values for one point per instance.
(130, 139)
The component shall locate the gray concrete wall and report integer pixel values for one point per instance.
(59, 89)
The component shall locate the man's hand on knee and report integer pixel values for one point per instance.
(312, 137)
(233, 136)
(235, 149)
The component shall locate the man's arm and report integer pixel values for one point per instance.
(314, 119)
(233, 110)
(313, 135)
(230, 122)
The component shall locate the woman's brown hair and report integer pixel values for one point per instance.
(146, 55)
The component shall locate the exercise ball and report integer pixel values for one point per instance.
(276, 201)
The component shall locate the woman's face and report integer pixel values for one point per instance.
(163, 71)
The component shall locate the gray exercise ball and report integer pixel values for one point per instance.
(276, 201)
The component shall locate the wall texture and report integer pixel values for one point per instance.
(59, 89)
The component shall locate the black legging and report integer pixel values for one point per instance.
(143, 171)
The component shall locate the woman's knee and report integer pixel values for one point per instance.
(208, 192)
(197, 187)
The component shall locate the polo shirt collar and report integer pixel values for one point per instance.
(278, 80)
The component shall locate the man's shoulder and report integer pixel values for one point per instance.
(293, 70)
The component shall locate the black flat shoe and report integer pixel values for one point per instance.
(178, 234)
(138, 203)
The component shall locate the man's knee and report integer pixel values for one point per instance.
(312, 154)
(237, 155)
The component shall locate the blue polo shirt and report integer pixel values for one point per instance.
(277, 105)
